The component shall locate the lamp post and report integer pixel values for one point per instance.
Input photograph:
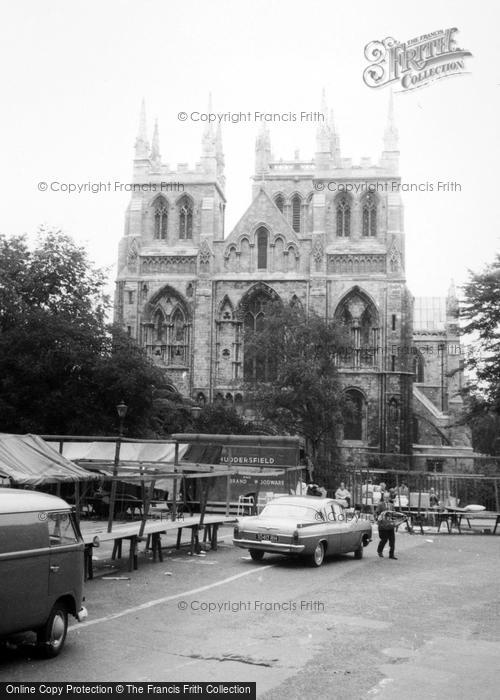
(195, 411)
(121, 409)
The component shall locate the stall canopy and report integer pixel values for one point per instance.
(129, 451)
(27, 460)
(134, 457)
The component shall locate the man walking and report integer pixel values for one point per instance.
(386, 528)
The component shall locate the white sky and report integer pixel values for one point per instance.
(74, 74)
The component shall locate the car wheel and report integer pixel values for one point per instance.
(318, 555)
(52, 635)
(256, 554)
(358, 553)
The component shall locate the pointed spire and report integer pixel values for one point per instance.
(262, 149)
(155, 145)
(391, 136)
(323, 137)
(141, 143)
(452, 306)
(219, 151)
(334, 140)
(208, 145)
(323, 125)
(324, 106)
(208, 139)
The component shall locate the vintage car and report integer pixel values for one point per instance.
(41, 568)
(308, 526)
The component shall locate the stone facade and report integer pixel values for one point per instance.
(323, 233)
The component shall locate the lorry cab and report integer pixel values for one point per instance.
(41, 567)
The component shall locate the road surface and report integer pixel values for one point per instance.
(424, 626)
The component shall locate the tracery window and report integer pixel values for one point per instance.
(177, 347)
(369, 214)
(280, 202)
(185, 218)
(296, 212)
(343, 216)
(160, 218)
(258, 366)
(262, 239)
(418, 368)
(360, 320)
(168, 332)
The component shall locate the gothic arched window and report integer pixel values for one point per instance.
(369, 214)
(185, 218)
(161, 218)
(178, 345)
(158, 322)
(418, 368)
(343, 216)
(359, 318)
(296, 212)
(258, 365)
(262, 238)
(280, 202)
(355, 415)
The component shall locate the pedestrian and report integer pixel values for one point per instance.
(433, 499)
(343, 494)
(386, 527)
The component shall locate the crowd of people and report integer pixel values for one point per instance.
(383, 502)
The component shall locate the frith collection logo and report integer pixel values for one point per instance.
(414, 63)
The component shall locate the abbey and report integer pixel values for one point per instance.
(312, 235)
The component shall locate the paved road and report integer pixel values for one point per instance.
(424, 626)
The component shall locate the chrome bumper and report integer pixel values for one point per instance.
(269, 546)
(81, 614)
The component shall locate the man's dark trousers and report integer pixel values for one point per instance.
(386, 536)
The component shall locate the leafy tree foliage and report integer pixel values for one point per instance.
(484, 424)
(221, 420)
(62, 370)
(304, 396)
(481, 309)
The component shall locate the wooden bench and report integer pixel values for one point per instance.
(153, 529)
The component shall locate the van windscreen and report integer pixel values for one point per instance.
(61, 530)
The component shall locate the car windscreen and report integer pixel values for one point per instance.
(293, 512)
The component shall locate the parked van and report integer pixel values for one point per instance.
(41, 567)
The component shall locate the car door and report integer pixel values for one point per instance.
(337, 528)
(24, 563)
(66, 556)
(352, 534)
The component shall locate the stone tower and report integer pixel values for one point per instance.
(325, 233)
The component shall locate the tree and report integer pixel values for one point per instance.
(481, 309)
(304, 396)
(62, 369)
(219, 419)
(483, 422)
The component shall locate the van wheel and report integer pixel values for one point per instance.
(256, 554)
(317, 557)
(52, 635)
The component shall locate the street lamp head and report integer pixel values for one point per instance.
(122, 410)
(195, 411)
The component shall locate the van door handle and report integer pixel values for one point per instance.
(54, 568)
